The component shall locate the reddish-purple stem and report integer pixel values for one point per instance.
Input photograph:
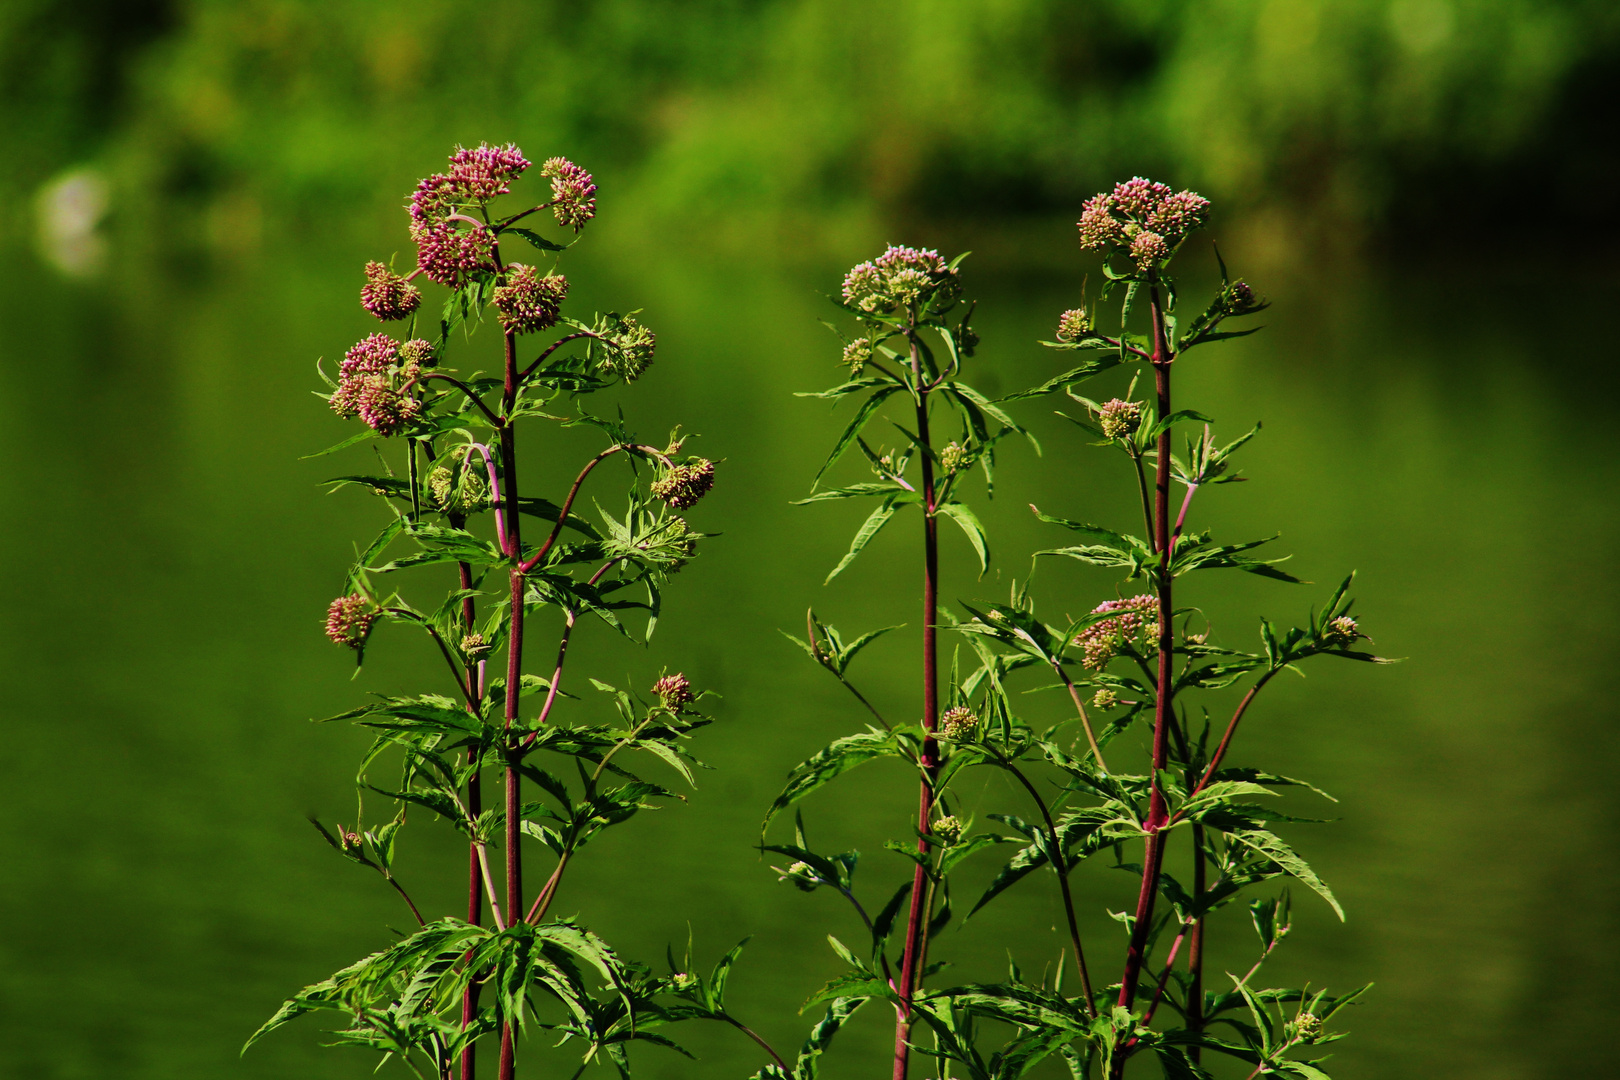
(916, 922)
(1158, 816)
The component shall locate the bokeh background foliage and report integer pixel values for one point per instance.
(1424, 187)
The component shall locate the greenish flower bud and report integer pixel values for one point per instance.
(1307, 1027)
(955, 457)
(802, 875)
(948, 829)
(474, 647)
(1119, 418)
(1105, 698)
(683, 980)
(957, 723)
(857, 354)
(1341, 633)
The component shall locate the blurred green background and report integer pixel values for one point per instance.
(1424, 188)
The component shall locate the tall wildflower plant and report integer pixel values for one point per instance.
(1130, 671)
(454, 526)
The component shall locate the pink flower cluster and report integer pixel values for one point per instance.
(446, 253)
(530, 301)
(349, 619)
(900, 277)
(486, 171)
(573, 192)
(674, 691)
(387, 295)
(684, 485)
(1144, 219)
(1133, 622)
(374, 381)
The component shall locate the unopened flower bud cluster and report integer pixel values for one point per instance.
(530, 301)
(1073, 324)
(957, 723)
(674, 691)
(375, 381)
(683, 485)
(1119, 418)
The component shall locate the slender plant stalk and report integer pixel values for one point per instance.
(1056, 850)
(1153, 857)
(921, 899)
(514, 670)
(475, 806)
(1195, 947)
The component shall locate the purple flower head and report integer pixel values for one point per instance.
(450, 256)
(1138, 197)
(387, 295)
(367, 385)
(433, 199)
(349, 619)
(530, 301)
(573, 192)
(370, 355)
(1149, 249)
(674, 691)
(684, 485)
(486, 171)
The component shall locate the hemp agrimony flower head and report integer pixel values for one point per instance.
(1144, 220)
(948, 829)
(573, 192)
(622, 346)
(530, 301)
(957, 723)
(349, 619)
(1073, 324)
(1118, 419)
(683, 485)
(857, 354)
(387, 295)
(902, 278)
(674, 691)
(374, 383)
(954, 457)
(1135, 624)
(486, 171)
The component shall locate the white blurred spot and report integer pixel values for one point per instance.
(69, 211)
(1421, 25)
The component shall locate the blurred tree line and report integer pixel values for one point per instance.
(1440, 117)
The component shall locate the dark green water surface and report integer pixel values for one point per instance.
(167, 560)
